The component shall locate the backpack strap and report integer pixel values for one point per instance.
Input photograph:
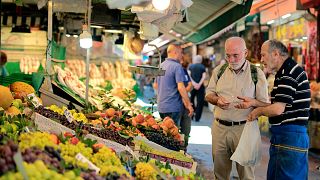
(254, 76)
(221, 70)
(254, 73)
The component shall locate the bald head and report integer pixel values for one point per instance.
(236, 41)
(236, 52)
(174, 51)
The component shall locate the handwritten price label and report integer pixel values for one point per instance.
(34, 99)
(68, 115)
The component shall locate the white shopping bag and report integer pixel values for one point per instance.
(248, 151)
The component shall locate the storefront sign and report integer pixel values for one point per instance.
(294, 29)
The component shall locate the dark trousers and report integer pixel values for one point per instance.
(200, 101)
(185, 125)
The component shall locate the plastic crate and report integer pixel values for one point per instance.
(36, 79)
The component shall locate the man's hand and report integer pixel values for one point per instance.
(196, 85)
(255, 114)
(246, 103)
(190, 109)
(223, 103)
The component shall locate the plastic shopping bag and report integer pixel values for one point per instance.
(248, 151)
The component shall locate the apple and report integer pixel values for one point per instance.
(68, 134)
(74, 140)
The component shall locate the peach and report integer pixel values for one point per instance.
(174, 131)
(139, 118)
(134, 123)
(145, 124)
(54, 138)
(156, 126)
(110, 112)
(151, 121)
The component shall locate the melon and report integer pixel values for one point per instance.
(6, 97)
(19, 87)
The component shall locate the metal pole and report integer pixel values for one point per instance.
(88, 55)
(159, 53)
(318, 44)
(48, 62)
(47, 81)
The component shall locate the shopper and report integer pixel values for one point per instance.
(198, 75)
(288, 113)
(3, 61)
(237, 77)
(185, 118)
(172, 94)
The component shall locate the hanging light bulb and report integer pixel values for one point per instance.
(85, 39)
(161, 4)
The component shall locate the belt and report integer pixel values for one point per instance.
(230, 123)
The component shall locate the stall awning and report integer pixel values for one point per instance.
(209, 17)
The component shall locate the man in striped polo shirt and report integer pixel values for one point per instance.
(288, 113)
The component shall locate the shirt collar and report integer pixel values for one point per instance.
(244, 67)
(170, 59)
(286, 63)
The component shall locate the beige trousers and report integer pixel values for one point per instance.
(225, 139)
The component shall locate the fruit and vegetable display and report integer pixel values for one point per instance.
(91, 143)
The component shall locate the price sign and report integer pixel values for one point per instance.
(83, 159)
(19, 163)
(34, 99)
(68, 115)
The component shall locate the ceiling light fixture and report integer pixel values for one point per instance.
(94, 26)
(85, 39)
(115, 31)
(161, 4)
(305, 37)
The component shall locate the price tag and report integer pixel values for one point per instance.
(27, 129)
(83, 159)
(18, 160)
(34, 99)
(68, 115)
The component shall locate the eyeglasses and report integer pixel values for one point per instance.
(236, 56)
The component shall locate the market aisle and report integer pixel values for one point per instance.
(200, 148)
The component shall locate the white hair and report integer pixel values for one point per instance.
(197, 59)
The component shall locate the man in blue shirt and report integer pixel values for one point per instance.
(172, 94)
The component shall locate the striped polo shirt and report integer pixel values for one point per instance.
(291, 86)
